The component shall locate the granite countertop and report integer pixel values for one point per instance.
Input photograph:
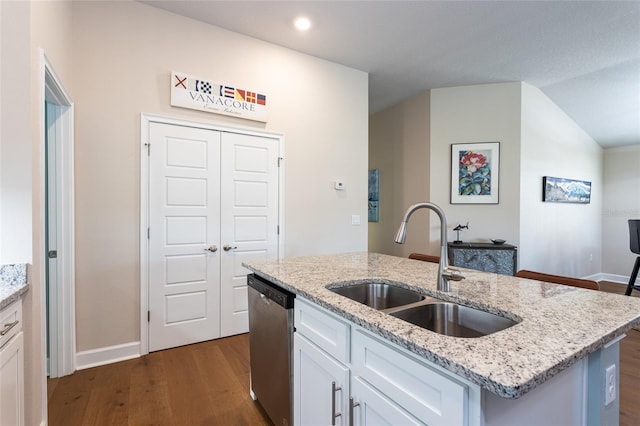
(14, 282)
(558, 325)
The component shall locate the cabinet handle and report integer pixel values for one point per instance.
(8, 327)
(352, 405)
(334, 389)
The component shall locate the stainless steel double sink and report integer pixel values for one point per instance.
(440, 316)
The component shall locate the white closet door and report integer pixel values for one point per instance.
(249, 220)
(184, 218)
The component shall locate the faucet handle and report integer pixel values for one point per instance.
(452, 274)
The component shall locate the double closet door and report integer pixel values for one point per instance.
(213, 204)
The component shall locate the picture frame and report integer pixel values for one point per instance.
(475, 173)
(374, 190)
(564, 190)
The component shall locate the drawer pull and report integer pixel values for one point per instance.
(8, 327)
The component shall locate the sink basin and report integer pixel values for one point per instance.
(454, 320)
(379, 295)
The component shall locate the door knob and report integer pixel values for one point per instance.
(227, 247)
(212, 249)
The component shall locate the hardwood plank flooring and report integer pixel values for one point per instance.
(208, 384)
(202, 384)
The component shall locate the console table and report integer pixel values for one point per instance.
(486, 257)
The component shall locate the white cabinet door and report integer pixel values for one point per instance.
(372, 408)
(422, 390)
(315, 372)
(12, 382)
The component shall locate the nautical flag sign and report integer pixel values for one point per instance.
(196, 93)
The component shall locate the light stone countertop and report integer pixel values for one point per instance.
(14, 282)
(559, 324)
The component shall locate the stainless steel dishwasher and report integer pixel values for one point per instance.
(270, 347)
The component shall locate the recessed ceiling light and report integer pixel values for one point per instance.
(302, 23)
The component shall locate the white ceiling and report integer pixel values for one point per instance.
(584, 55)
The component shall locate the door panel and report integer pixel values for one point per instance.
(186, 192)
(183, 269)
(186, 307)
(206, 188)
(249, 222)
(184, 218)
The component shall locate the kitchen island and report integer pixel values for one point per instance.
(565, 339)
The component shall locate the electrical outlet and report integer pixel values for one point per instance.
(610, 384)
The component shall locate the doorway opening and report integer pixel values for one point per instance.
(59, 254)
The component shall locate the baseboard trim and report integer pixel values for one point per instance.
(612, 277)
(107, 355)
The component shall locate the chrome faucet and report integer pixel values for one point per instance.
(444, 272)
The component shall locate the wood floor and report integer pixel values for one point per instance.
(201, 384)
(208, 384)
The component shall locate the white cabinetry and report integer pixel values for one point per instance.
(343, 375)
(321, 386)
(11, 365)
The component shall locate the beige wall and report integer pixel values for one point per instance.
(15, 137)
(123, 55)
(536, 139)
(26, 28)
(399, 148)
(482, 113)
(563, 239)
(621, 202)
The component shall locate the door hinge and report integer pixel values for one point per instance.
(148, 316)
(148, 233)
(148, 145)
(278, 230)
(280, 160)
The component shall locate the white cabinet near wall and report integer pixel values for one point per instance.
(11, 365)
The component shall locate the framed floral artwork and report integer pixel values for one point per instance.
(475, 173)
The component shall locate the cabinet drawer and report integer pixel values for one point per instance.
(429, 395)
(323, 328)
(10, 321)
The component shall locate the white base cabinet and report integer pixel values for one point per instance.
(322, 386)
(11, 366)
(370, 383)
(371, 407)
(346, 375)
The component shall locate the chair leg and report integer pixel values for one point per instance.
(632, 280)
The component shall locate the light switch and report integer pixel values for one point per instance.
(355, 219)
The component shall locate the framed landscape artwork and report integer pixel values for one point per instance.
(561, 190)
(475, 173)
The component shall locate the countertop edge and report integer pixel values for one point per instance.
(16, 291)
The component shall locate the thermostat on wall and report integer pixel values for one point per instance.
(339, 184)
